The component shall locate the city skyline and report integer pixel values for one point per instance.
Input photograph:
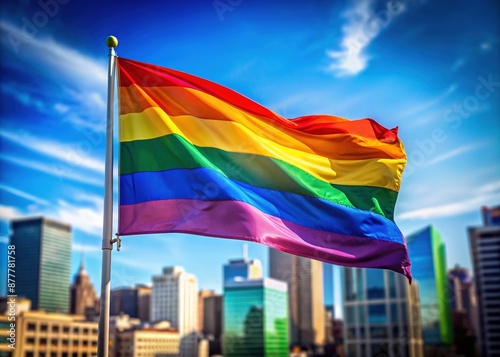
(55, 74)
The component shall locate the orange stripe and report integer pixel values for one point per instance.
(179, 101)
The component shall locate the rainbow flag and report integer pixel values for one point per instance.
(199, 158)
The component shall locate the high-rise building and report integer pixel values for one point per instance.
(83, 298)
(243, 269)
(463, 294)
(175, 299)
(202, 294)
(212, 323)
(43, 262)
(485, 250)
(428, 258)
(305, 292)
(134, 301)
(381, 314)
(255, 318)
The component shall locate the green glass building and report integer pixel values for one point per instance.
(428, 258)
(43, 262)
(255, 318)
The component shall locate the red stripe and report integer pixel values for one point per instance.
(147, 75)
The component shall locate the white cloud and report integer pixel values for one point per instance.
(60, 171)
(9, 212)
(85, 218)
(63, 152)
(84, 248)
(452, 209)
(23, 194)
(362, 28)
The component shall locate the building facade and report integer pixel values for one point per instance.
(153, 341)
(83, 298)
(305, 292)
(255, 318)
(202, 295)
(134, 301)
(428, 258)
(381, 314)
(43, 262)
(40, 333)
(485, 249)
(174, 298)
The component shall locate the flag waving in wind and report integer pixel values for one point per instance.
(199, 158)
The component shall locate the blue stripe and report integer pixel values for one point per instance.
(207, 184)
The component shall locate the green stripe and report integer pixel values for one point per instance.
(172, 151)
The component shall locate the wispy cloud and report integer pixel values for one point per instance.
(23, 194)
(62, 172)
(453, 153)
(52, 57)
(84, 248)
(363, 26)
(86, 218)
(54, 149)
(422, 107)
(486, 195)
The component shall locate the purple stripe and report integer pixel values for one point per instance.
(239, 220)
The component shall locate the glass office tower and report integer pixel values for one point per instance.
(428, 258)
(255, 318)
(43, 262)
(381, 314)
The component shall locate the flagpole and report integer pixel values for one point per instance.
(107, 244)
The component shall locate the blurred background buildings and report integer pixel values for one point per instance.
(442, 313)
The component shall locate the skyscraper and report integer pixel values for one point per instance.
(381, 314)
(134, 301)
(202, 294)
(485, 250)
(463, 294)
(43, 261)
(175, 299)
(255, 318)
(305, 293)
(83, 298)
(212, 322)
(428, 258)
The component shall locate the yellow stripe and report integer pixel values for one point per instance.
(234, 137)
(176, 101)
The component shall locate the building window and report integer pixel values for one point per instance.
(43, 341)
(76, 329)
(55, 328)
(375, 287)
(66, 329)
(31, 327)
(43, 328)
(377, 314)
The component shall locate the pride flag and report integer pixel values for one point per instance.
(199, 158)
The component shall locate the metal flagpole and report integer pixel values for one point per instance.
(107, 242)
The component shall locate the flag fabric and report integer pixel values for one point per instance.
(199, 158)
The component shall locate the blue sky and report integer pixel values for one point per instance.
(429, 67)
